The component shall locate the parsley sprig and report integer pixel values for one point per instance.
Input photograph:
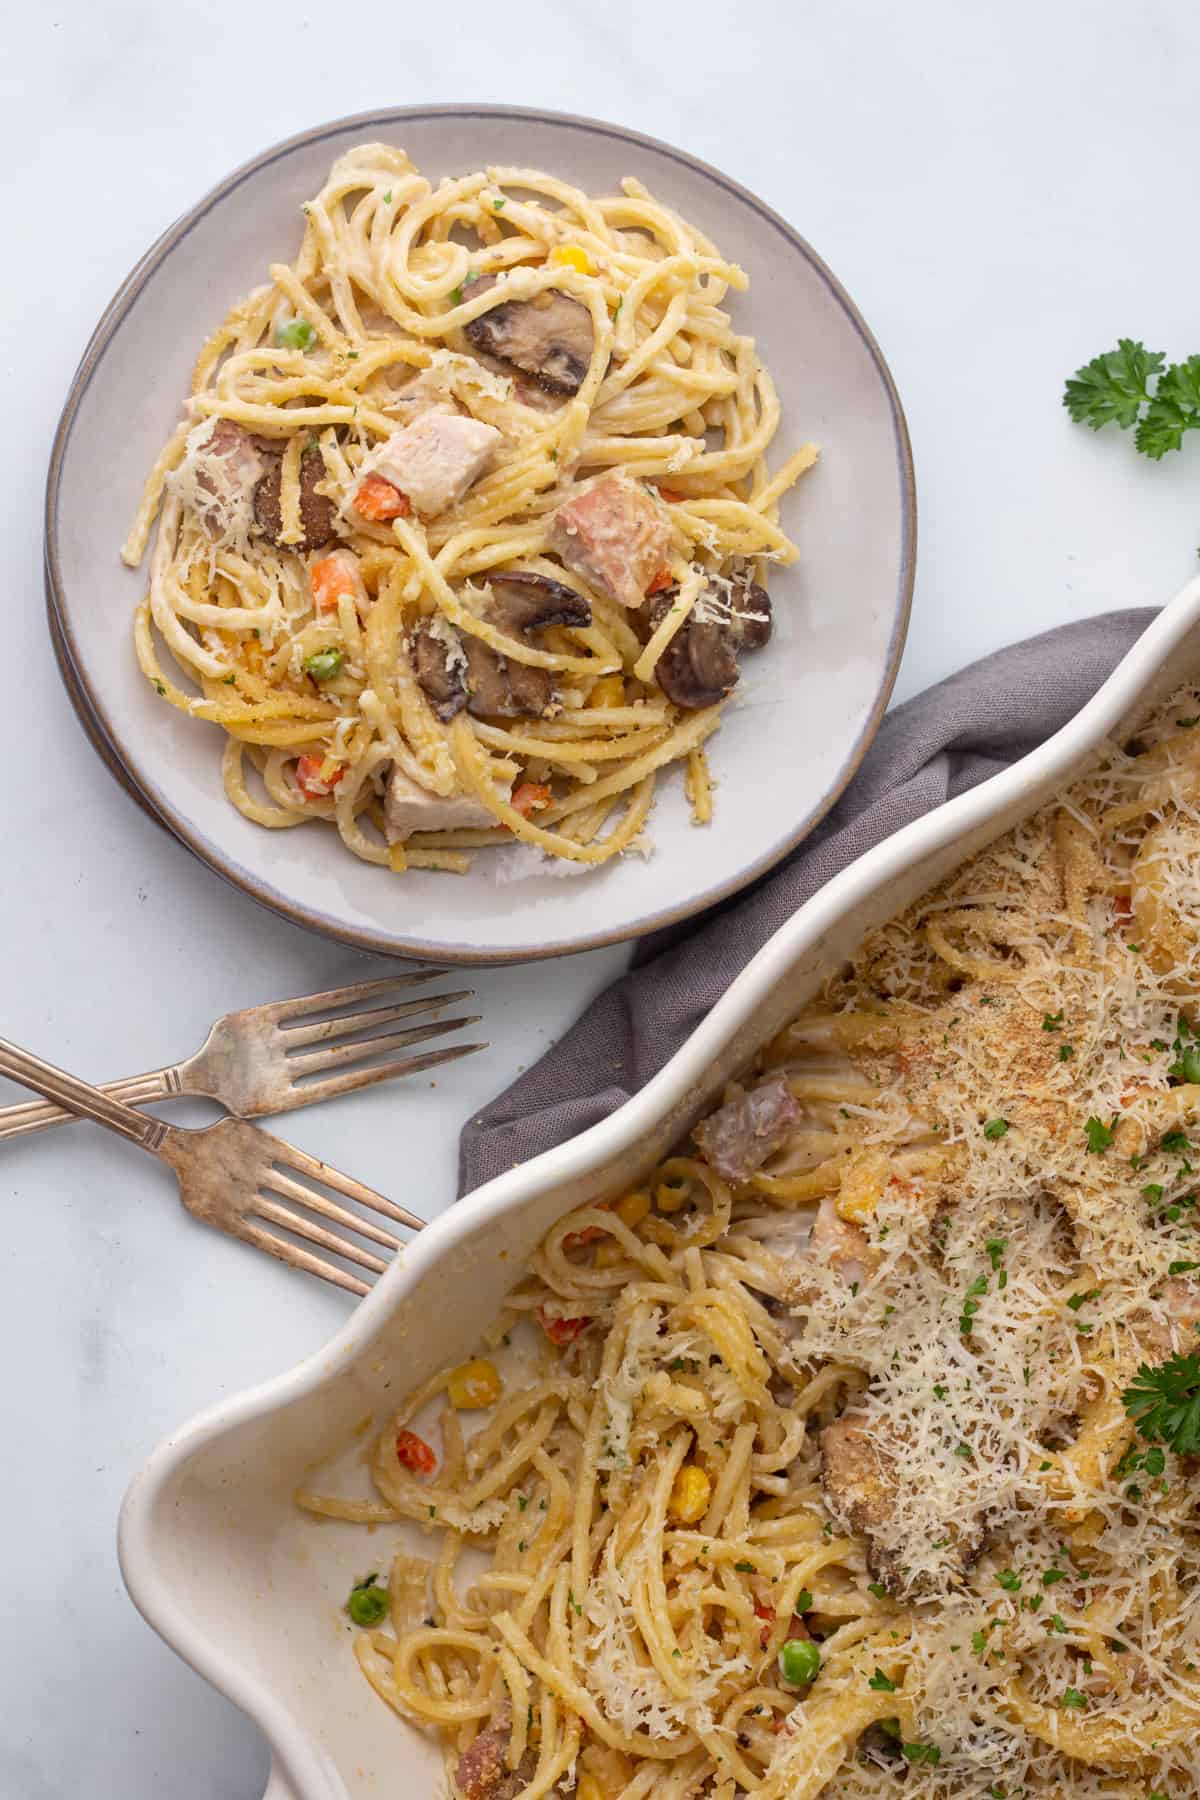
(1163, 1401)
(1115, 389)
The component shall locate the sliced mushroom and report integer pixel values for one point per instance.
(318, 513)
(751, 608)
(470, 673)
(549, 336)
(700, 664)
(502, 689)
(523, 601)
(441, 669)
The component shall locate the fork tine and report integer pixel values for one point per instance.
(346, 996)
(283, 1185)
(380, 1015)
(333, 1085)
(296, 1258)
(288, 1157)
(266, 1208)
(336, 1055)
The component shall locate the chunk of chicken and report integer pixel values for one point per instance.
(427, 391)
(1180, 1299)
(614, 537)
(1183, 1303)
(841, 1246)
(408, 808)
(221, 468)
(739, 1137)
(863, 1477)
(436, 459)
(1163, 901)
(858, 1474)
(482, 1773)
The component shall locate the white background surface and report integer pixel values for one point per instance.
(1004, 190)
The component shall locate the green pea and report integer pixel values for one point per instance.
(296, 334)
(368, 1605)
(324, 665)
(799, 1662)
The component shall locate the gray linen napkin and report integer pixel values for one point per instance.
(927, 751)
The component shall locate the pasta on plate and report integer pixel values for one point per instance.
(466, 523)
(857, 1453)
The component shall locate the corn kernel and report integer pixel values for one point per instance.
(690, 1494)
(474, 1384)
(572, 256)
(608, 691)
(608, 1254)
(632, 1208)
(248, 650)
(589, 1789)
(669, 1196)
(863, 1181)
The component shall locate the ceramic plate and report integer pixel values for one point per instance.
(806, 710)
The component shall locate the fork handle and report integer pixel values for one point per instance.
(80, 1097)
(135, 1090)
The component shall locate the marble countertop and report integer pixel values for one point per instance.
(1003, 190)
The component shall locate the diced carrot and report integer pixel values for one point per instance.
(572, 256)
(664, 579)
(248, 650)
(575, 1240)
(530, 797)
(560, 1331)
(332, 577)
(671, 495)
(608, 691)
(763, 1611)
(379, 500)
(412, 1452)
(313, 784)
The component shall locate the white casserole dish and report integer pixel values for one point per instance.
(214, 1552)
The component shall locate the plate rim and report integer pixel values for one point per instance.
(378, 941)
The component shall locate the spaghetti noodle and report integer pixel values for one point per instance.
(847, 1502)
(428, 485)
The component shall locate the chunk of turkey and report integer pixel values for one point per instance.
(409, 807)
(435, 459)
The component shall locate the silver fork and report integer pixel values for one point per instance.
(249, 1060)
(239, 1178)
